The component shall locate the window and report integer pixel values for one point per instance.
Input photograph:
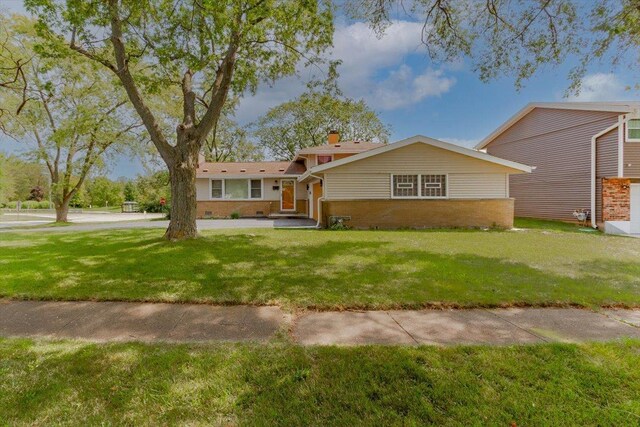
(405, 185)
(324, 159)
(216, 189)
(419, 186)
(236, 189)
(633, 130)
(434, 185)
(256, 189)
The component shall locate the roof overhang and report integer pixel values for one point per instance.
(414, 140)
(245, 176)
(614, 107)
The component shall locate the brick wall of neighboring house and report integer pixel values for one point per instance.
(391, 214)
(246, 208)
(616, 199)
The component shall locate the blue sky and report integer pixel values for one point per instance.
(415, 96)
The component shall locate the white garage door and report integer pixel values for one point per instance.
(635, 208)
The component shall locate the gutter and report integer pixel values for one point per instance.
(594, 141)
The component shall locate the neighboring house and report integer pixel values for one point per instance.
(587, 156)
(417, 182)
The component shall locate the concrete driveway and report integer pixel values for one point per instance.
(203, 224)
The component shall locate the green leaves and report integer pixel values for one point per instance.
(305, 122)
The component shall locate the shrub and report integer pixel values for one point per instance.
(235, 215)
(44, 205)
(12, 205)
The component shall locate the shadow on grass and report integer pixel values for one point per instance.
(250, 268)
(286, 385)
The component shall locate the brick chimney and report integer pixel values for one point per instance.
(333, 137)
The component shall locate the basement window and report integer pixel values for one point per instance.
(633, 130)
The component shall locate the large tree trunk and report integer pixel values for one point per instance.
(182, 175)
(62, 211)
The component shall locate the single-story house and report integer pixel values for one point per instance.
(418, 182)
(587, 157)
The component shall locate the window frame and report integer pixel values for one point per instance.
(420, 193)
(323, 155)
(627, 127)
(224, 187)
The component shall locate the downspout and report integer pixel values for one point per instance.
(593, 181)
(320, 200)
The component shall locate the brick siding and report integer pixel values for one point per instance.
(246, 208)
(616, 203)
(391, 214)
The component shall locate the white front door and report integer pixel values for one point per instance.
(635, 208)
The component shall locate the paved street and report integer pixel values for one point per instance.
(124, 321)
(203, 224)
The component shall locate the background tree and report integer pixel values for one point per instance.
(75, 117)
(103, 192)
(202, 49)
(229, 142)
(130, 192)
(517, 38)
(305, 122)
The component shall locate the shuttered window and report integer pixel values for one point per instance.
(434, 186)
(405, 186)
(425, 186)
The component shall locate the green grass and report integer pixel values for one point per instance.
(44, 382)
(541, 224)
(325, 269)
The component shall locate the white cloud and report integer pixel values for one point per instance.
(402, 88)
(600, 87)
(372, 68)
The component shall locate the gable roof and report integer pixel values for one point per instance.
(418, 139)
(249, 168)
(613, 106)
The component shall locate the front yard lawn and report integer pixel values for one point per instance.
(325, 269)
(279, 384)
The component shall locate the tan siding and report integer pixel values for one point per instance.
(268, 193)
(477, 186)
(631, 159)
(345, 186)
(202, 189)
(421, 158)
(558, 143)
(606, 164)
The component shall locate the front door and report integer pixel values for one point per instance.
(635, 208)
(288, 195)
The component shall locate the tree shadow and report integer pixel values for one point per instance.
(251, 268)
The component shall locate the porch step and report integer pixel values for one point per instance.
(287, 215)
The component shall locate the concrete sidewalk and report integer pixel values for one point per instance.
(122, 321)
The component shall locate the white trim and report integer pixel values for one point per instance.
(295, 196)
(224, 185)
(594, 141)
(621, 107)
(420, 196)
(621, 145)
(414, 140)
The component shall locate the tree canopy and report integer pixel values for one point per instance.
(204, 50)
(75, 115)
(306, 121)
(517, 38)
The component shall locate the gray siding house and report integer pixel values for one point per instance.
(587, 156)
